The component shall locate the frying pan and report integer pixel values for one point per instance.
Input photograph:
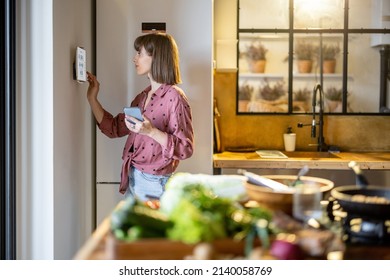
(348, 200)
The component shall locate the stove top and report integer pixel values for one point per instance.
(358, 229)
(366, 230)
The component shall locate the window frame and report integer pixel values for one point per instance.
(345, 32)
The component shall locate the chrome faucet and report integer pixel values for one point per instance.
(321, 146)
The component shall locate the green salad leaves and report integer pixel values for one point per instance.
(193, 209)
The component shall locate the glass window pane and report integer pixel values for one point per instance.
(267, 94)
(262, 85)
(304, 91)
(319, 14)
(305, 75)
(302, 96)
(333, 95)
(368, 56)
(263, 14)
(274, 47)
(307, 70)
(364, 68)
(364, 14)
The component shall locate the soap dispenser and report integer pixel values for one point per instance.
(289, 140)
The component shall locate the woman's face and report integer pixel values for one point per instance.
(143, 62)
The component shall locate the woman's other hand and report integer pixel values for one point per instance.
(146, 128)
(142, 127)
(134, 124)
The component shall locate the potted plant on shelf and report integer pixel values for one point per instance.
(334, 98)
(300, 100)
(304, 53)
(245, 92)
(329, 54)
(256, 57)
(272, 93)
(269, 98)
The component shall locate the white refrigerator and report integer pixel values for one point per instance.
(119, 22)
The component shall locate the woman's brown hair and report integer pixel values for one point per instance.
(165, 56)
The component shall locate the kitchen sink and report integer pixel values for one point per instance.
(310, 154)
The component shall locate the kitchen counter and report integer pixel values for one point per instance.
(296, 160)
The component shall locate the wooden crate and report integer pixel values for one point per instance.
(164, 249)
(102, 245)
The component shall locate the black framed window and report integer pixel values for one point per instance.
(287, 47)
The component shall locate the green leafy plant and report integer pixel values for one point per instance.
(199, 213)
(256, 51)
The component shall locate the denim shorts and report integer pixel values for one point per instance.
(146, 186)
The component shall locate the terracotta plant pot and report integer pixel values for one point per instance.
(334, 106)
(329, 66)
(305, 66)
(257, 66)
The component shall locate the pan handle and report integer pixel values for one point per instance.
(361, 180)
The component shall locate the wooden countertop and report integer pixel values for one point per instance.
(296, 160)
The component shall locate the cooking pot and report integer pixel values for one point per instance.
(370, 201)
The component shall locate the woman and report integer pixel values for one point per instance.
(155, 145)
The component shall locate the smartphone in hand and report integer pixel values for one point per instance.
(135, 112)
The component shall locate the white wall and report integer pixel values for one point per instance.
(74, 128)
(34, 227)
(56, 133)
